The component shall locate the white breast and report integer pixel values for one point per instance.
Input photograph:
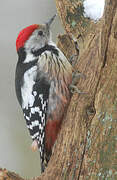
(26, 90)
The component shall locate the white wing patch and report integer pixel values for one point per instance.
(26, 90)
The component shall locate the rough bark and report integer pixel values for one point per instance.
(86, 147)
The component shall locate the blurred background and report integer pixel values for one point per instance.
(15, 142)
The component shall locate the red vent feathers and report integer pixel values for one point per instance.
(24, 35)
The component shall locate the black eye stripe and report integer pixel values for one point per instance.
(40, 33)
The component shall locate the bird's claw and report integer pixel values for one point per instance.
(74, 89)
(75, 77)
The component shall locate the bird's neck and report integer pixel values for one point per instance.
(48, 47)
(29, 56)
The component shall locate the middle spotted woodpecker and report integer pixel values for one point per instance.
(43, 76)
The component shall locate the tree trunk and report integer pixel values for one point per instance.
(86, 147)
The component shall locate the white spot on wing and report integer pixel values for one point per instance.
(35, 135)
(33, 110)
(40, 127)
(27, 118)
(35, 93)
(35, 123)
(40, 150)
(40, 113)
(44, 105)
(29, 127)
(36, 109)
(41, 96)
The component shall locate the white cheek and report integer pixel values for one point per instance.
(26, 90)
(36, 42)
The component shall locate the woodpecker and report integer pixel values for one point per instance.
(42, 79)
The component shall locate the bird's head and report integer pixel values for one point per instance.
(34, 36)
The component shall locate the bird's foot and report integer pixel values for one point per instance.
(74, 89)
(76, 76)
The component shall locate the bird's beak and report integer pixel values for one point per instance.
(50, 21)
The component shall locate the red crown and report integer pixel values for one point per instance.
(24, 35)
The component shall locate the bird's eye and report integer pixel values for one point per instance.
(40, 33)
